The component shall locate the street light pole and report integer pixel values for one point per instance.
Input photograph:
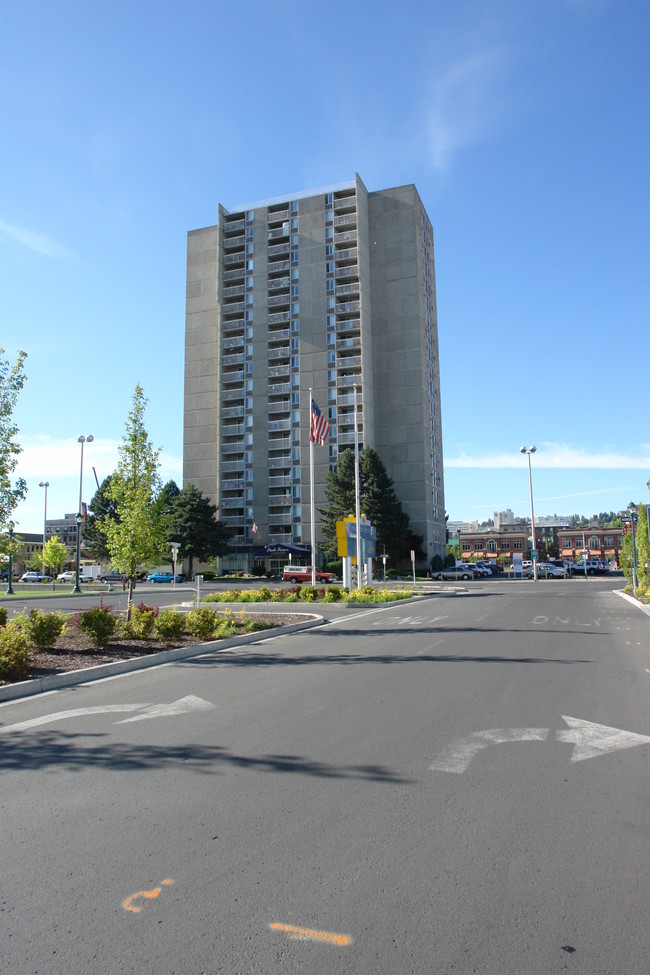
(528, 451)
(44, 484)
(10, 590)
(79, 516)
(632, 507)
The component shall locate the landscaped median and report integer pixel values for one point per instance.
(308, 594)
(40, 651)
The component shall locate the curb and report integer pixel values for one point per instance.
(631, 599)
(40, 685)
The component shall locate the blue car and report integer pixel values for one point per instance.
(163, 577)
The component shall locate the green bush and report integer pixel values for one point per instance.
(97, 623)
(169, 625)
(142, 622)
(14, 651)
(43, 629)
(308, 593)
(3, 616)
(332, 594)
(201, 622)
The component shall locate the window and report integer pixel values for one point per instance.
(467, 546)
(505, 545)
(517, 545)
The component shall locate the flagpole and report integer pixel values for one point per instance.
(311, 496)
(357, 501)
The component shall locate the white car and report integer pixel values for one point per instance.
(35, 577)
(549, 570)
(67, 576)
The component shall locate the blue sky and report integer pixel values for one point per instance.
(524, 125)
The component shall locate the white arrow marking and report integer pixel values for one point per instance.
(457, 757)
(75, 713)
(590, 740)
(182, 706)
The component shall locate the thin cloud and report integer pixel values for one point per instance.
(464, 105)
(556, 456)
(38, 243)
(50, 458)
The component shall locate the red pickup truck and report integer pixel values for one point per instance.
(302, 573)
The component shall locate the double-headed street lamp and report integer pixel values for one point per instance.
(79, 516)
(44, 484)
(531, 450)
(10, 590)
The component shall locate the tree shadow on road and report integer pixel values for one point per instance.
(22, 751)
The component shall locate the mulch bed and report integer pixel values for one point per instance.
(74, 651)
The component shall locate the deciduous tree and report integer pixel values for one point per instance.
(193, 523)
(12, 379)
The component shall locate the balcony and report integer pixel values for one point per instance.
(232, 324)
(346, 237)
(348, 362)
(233, 226)
(346, 220)
(347, 399)
(232, 467)
(232, 430)
(276, 267)
(343, 381)
(235, 359)
(279, 406)
(278, 317)
(279, 335)
(277, 250)
(278, 519)
(233, 307)
(276, 284)
(274, 216)
(351, 343)
(232, 448)
(279, 482)
(280, 426)
(342, 290)
(237, 342)
(280, 372)
(227, 395)
(237, 485)
(238, 258)
(348, 325)
(277, 389)
(231, 242)
(344, 307)
(280, 463)
(232, 413)
(279, 443)
(346, 254)
(237, 274)
(275, 355)
(278, 233)
(279, 501)
(235, 291)
(232, 377)
(276, 300)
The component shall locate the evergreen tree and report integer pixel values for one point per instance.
(378, 502)
(192, 522)
(102, 508)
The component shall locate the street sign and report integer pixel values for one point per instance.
(535, 554)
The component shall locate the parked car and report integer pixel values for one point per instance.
(302, 573)
(578, 568)
(163, 577)
(35, 577)
(67, 576)
(550, 571)
(485, 568)
(111, 576)
(456, 572)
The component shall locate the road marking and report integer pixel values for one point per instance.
(590, 740)
(308, 934)
(457, 757)
(149, 895)
(181, 706)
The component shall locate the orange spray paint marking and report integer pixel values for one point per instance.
(308, 934)
(149, 895)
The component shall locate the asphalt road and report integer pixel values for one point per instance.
(456, 785)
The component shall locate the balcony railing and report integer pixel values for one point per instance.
(278, 317)
(279, 372)
(234, 258)
(276, 300)
(279, 482)
(234, 291)
(347, 306)
(348, 324)
(237, 342)
(279, 406)
(233, 307)
(351, 343)
(348, 361)
(237, 274)
(234, 359)
(346, 237)
(279, 334)
(279, 443)
(343, 381)
(233, 226)
(236, 376)
(347, 289)
(228, 395)
(232, 412)
(279, 426)
(230, 242)
(274, 215)
(277, 233)
(278, 388)
(275, 250)
(281, 353)
(346, 220)
(237, 485)
(276, 266)
(232, 467)
(232, 448)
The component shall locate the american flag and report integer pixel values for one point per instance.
(319, 428)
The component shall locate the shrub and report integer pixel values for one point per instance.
(308, 593)
(169, 625)
(43, 629)
(14, 651)
(332, 594)
(3, 616)
(201, 622)
(141, 624)
(265, 594)
(97, 623)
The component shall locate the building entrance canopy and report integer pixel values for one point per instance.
(296, 551)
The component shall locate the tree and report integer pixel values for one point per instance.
(54, 554)
(378, 501)
(193, 524)
(102, 508)
(135, 537)
(12, 379)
